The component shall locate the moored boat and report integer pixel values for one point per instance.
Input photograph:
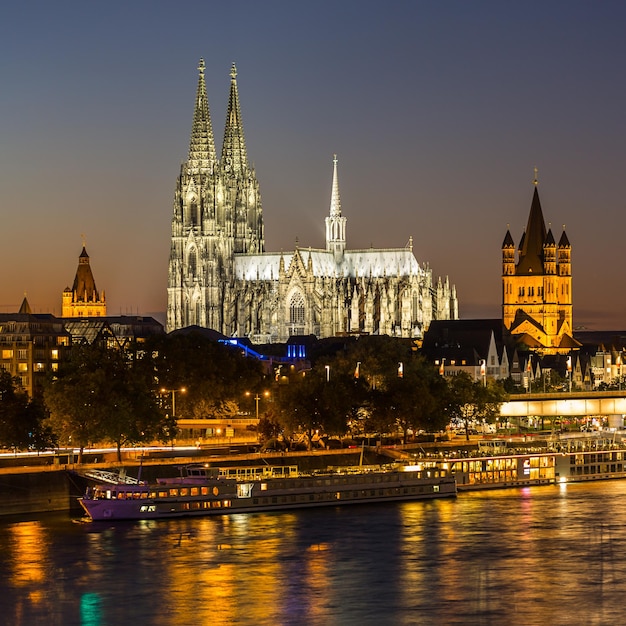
(217, 491)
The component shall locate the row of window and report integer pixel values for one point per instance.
(22, 354)
(601, 457)
(606, 468)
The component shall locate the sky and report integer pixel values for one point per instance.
(438, 113)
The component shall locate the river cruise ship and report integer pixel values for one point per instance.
(218, 491)
(498, 463)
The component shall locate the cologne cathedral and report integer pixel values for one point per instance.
(221, 277)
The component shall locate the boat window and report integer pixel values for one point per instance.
(244, 490)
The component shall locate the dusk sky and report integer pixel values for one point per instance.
(438, 112)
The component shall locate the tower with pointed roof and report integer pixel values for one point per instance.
(83, 299)
(220, 276)
(537, 289)
(217, 213)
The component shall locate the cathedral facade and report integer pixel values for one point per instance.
(221, 277)
(537, 286)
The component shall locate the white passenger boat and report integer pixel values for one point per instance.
(213, 491)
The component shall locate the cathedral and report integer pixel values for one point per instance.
(537, 289)
(221, 277)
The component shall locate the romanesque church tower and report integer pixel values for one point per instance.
(537, 289)
(217, 213)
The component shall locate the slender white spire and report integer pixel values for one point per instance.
(335, 223)
(335, 201)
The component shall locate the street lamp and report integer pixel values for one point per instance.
(257, 397)
(173, 392)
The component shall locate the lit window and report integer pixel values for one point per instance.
(7, 354)
(54, 354)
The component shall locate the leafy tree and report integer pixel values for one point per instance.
(471, 400)
(213, 375)
(413, 400)
(22, 419)
(98, 395)
(313, 403)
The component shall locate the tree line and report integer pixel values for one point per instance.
(126, 397)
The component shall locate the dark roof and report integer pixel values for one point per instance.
(84, 286)
(451, 338)
(508, 240)
(25, 307)
(592, 339)
(208, 333)
(531, 252)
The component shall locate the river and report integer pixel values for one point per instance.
(541, 555)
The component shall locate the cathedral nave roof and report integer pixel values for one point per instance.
(355, 263)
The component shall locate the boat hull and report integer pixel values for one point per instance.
(224, 497)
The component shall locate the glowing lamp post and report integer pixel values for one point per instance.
(173, 392)
(257, 397)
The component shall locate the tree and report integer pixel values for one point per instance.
(471, 400)
(99, 395)
(410, 398)
(213, 374)
(316, 402)
(22, 419)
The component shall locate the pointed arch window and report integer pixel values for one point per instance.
(193, 261)
(296, 310)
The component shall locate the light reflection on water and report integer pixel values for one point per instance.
(542, 555)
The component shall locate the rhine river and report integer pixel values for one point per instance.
(542, 555)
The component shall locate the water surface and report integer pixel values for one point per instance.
(542, 555)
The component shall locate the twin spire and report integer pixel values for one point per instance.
(202, 153)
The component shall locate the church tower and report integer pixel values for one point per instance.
(217, 213)
(83, 299)
(537, 290)
(335, 222)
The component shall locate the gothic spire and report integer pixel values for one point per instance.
(202, 145)
(234, 157)
(335, 222)
(335, 201)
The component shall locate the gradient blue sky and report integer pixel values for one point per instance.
(438, 112)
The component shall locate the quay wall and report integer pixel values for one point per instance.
(30, 491)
